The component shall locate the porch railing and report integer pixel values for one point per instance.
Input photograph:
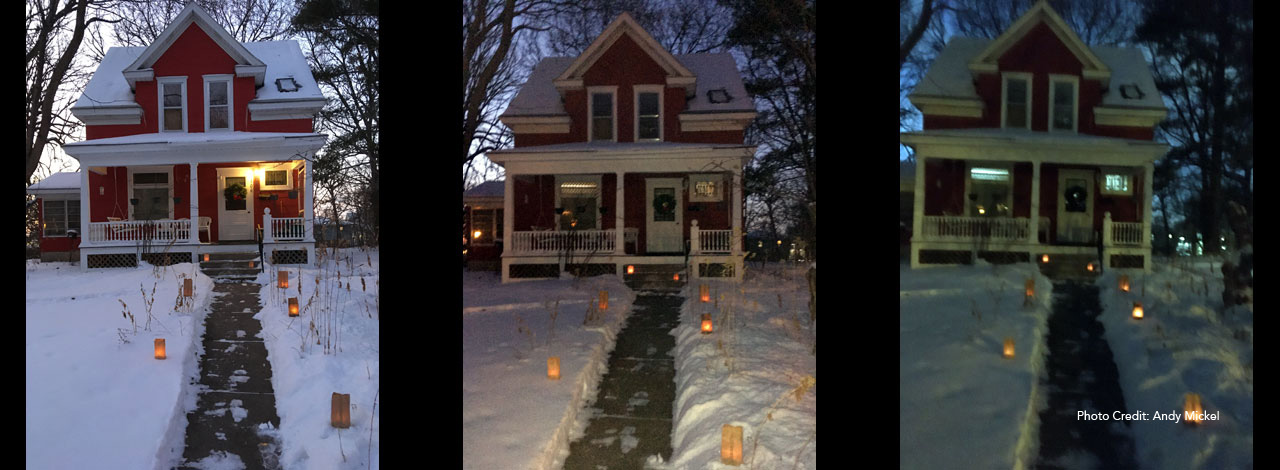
(288, 228)
(557, 241)
(132, 231)
(710, 241)
(945, 227)
(1121, 233)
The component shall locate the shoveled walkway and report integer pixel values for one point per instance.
(631, 417)
(1082, 377)
(236, 400)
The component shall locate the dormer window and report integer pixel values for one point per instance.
(173, 104)
(1063, 94)
(648, 112)
(602, 123)
(217, 99)
(1016, 95)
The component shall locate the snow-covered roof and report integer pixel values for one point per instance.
(485, 189)
(1039, 137)
(539, 97)
(109, 88)
(950, 77)
(62, 182)
(192, 138)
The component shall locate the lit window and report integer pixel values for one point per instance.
(1117, 183)
(579, 204)
(706, 188)
(990, 190)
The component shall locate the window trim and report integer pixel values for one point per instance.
(1054, 79)
(561, 179)
(1004, 97)
(66, 218)
(968, 184)
(262, 179)
(591, 119)
(1102, 186)
(160, 107)
(150, 169)
(636, 90)
(694, 179)
(231, 122)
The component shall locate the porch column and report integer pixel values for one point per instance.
(619, 243)
(84, 215)
(917, 212)
(308, 213)
(1148, 175)
(1034, 223)
(195, 206)
(508, 222)
(736, 244)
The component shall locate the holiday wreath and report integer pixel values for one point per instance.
(664, 204)
(235, 192)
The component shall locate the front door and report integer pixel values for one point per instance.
(664, 224)
(1075, 206)
(235, 207)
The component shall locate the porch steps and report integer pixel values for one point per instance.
(232, 266)
(657, 277)
(1072, 267)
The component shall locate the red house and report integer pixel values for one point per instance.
(626, 155)
(197, 144)
(1035, 144)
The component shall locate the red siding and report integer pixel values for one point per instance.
(1023, 173)
(114, 201)
(535, 199)
(944, 187)
(193, 55)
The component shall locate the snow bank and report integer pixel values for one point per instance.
(513, 416)
(96, 396)
(960, 401)
(330, 347)
(1182, 345)
(756, 370)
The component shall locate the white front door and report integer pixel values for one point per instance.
(664, 222)
(235, 214)
(1075, 206)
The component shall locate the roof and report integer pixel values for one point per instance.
(108, 87)
(539, 97)
(618, 147)
(485, 190)
(949, 76)
(62, 182)
(191, 138)
(1026, 136)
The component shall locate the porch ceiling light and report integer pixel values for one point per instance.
(989, 174)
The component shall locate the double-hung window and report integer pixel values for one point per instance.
(61, 216)
(217, 102)
(1016, 95)
(150, 194)
(648, 108)
(603, 105)
(578, 198)
(990, 192)
(1063, 97)
(173, 103)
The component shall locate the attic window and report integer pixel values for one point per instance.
(286, 84)
(718, 95)
(1131, 92)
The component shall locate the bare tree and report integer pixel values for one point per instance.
(247, 20)
(54, 34)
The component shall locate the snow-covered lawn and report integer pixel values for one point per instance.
(960, 401)
(332, 346)
(1182, 345)
(96, 395)
(756, 370)
(513, 416)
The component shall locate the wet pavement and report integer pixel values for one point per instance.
(1082, 376)
(630, 419)
(236, 407)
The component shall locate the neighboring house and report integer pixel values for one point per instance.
(1035, 143)
(58, 203)
(482, 220)
(197, 102)
(626, 155)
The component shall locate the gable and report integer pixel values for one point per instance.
(626, 27)
(1043, 51)
(624, 60)
(1039, 18)
(246, 64)
(193, 51)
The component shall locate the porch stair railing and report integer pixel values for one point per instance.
(1121, 233)
(945, 227)
(132, 231)
(558, 241)
(710, 241)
